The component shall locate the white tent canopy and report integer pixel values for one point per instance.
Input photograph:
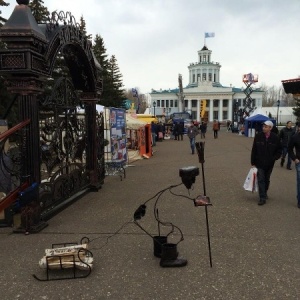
(133, 123)
(258, 111)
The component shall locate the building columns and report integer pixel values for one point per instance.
(220, 113)
(198, 110)
(211, 110)
(229, 109)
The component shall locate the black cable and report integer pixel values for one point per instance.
(167, 223)
(157, 195)
(108, 237)
(161, 191)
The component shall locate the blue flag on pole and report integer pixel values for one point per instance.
(209, 34)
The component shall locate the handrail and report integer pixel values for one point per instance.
(14, 129)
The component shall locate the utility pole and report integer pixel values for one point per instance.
(181, 96)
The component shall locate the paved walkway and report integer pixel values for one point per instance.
(255, 249)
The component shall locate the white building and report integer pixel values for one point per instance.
(204, 90)
(284, 114)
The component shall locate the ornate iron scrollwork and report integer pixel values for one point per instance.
(63, 144)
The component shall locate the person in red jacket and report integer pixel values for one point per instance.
(216, 128)
(266, 149)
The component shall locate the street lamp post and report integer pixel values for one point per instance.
(280, 117)
(235, 117)
(278, 104)
(154, 105)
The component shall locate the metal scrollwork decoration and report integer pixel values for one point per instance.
(62, 130)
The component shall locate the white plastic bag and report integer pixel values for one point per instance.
(250, 183)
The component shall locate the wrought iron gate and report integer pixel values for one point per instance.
(62, 146)
(63, 140)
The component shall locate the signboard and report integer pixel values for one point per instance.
(251, 78)
(117, 121)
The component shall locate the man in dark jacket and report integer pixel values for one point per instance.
(295, 144)
(191, 133)
(285, 136)
(203, 128)
(265, 150)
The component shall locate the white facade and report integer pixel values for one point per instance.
(204, 84)
(285, 114)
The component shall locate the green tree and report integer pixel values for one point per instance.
(100, 52)
(296, 109)
(82, 26)
(39, 11)
(115, 77)
(101, 55)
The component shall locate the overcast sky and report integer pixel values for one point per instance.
(155, 40)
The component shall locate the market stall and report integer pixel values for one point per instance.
(253, 124)
(138, 136)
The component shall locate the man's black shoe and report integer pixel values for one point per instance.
(261, 202)
(282, 162)
(289, 168)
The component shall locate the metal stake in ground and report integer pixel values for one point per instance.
(203, 200)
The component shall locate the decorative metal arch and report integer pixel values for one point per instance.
(64, 36)
(69, 145)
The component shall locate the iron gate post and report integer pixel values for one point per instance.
(24, 66)
(91, 163)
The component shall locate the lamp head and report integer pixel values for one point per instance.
(188, 175)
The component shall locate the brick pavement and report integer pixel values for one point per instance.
(255, 250)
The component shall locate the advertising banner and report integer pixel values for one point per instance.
(117, 121)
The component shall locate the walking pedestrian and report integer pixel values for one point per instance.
(203, 128)
(176, 131)
(180, 130)
(160, 130)
(266, 149)
(153, 133)
(294, 153)
(285, 136)
(216, 128)
(275, 130)
(191, 133)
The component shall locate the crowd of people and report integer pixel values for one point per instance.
(177, 130)
(269, 145)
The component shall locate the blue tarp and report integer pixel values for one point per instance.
(256, 122)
